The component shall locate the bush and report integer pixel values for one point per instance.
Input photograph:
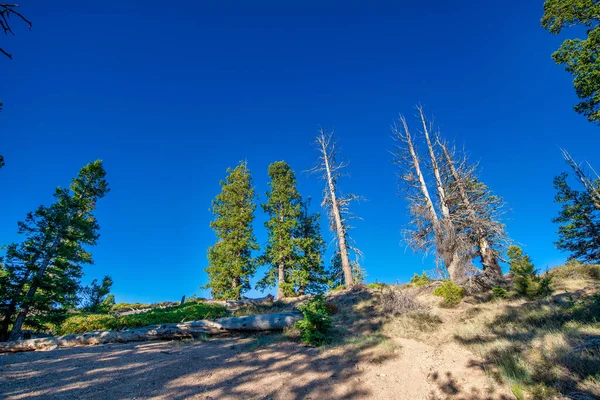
(376, 285)
(88, 323)
(451, 293)
(526, 280)
(397, 302)
(94, 322)
(316, 323)
(499, 292)
(420, 280)
(576, 270)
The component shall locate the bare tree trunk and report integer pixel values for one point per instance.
(488, 256)
(18, 324)
(435, 167)
(589, 185)
(423, 184)
(340, 229)
(280, 281)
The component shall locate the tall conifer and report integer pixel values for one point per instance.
(230, 260)
(284, 208)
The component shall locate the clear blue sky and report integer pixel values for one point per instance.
(171, 94)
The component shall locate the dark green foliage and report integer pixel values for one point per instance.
(420, 280)
(316, 323)
(1, 157)
(230, 260)
(308, 274)
(188, 312)
(526, 280)
(97, 297)
(336, 273)
(42, 273)
(451, 294)
(581, 57)
(499, 292)
(283, 207)
(579, 222)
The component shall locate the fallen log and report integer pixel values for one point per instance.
(175, 331)
(244, 302)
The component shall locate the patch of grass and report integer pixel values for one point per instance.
(188, 312)
(451, 294)
(545, 348)
(576, 270)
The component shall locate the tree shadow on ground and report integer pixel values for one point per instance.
(563, 330)
(448, 387)
(226, 367)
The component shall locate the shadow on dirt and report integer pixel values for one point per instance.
(232, 367)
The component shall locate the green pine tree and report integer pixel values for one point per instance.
(284, 209)
(230, 261)
(43, 272)
(526, 279)
(580, 57)
(308, 275)
(96, 297)
(579, 222)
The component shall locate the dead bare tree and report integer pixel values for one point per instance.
(588, 183)
(6, 11)
(477, 211)
(463, 219)
(330, 169)
(429, 231)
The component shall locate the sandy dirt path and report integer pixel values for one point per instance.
(247, 368)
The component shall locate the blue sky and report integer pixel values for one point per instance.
(169, 97)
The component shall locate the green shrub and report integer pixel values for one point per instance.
(451, 293)
(420, 280)
(376, 285)
(316, 323)
(188, 312)
(499, 292)
(527, 282)
(88, 323)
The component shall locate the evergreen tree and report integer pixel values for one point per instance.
(579, 222)
(526, 279)
(97, 297)
(43, 272)
(284, 209)
(309, 274)
(581, 57)
(230, 261)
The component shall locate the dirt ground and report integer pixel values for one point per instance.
(259, 367)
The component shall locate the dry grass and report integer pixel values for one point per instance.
(544, 348)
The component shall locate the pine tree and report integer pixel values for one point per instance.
(230, 261)
(97, 297)
(579, 222)
(284, 208)
(308, 275)
(43, 271)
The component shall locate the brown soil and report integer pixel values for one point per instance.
(368, 362)
(234, 369)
